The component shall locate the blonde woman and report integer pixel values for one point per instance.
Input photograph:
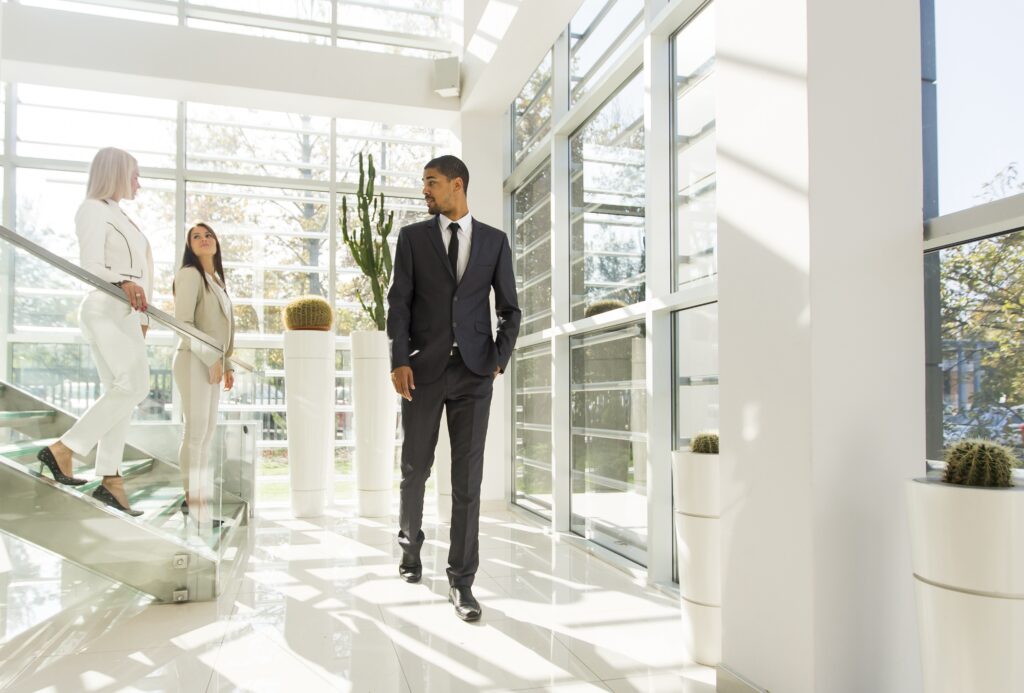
(113, 248)
(201, 299)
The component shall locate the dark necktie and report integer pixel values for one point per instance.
(453, 249)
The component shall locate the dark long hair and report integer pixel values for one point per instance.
(190, 259)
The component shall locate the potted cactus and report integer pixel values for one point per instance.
(967, 538)
(373, 399)
(309, 397)
(602, 306)
(695, 494)
(308, 313)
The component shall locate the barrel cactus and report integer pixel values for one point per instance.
(705, 443)
(602, 306)
(979, 463)
(308, 313)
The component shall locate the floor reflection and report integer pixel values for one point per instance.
(316, 604)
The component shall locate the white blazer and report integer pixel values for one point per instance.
(112, 247)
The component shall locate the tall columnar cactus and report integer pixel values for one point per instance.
(369, 242)
(705, 443)
(309, 313)
(979, 463)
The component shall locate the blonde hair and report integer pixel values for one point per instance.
(110, 175)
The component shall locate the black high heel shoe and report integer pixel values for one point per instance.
(46, 459)
(104, 495)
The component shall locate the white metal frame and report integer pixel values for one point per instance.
(331, 31)
(182, 176)
(651, 53)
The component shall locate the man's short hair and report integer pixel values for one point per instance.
(451, 167)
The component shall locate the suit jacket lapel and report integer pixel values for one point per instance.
(474, 246)
(437, 240)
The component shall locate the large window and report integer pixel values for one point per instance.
(532, 372)
(599, 34)
(979, 343)
(979, 96)
(584, 236)
(695, 396)
(609, 439)
(531, 237)
(531, 112)
(694, 131)
(262, 179)
(608, 191)
(55, 123)
(418, 28)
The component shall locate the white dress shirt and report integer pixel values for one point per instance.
(465, 239)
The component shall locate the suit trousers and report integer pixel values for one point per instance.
(119, 350)
(466, 398)
(199, 402)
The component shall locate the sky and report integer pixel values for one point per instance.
(980, 91)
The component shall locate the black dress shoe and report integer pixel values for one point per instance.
(466, 606)
(46, 459)
(410, 572)
(102, 494)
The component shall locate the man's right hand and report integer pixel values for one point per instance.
(401, 378)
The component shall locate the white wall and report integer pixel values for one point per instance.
(821, 334)
(482, 148)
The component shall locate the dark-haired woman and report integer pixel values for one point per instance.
(201, 299)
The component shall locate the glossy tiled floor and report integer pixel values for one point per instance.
(318, 606)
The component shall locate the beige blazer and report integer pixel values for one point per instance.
(198, 306)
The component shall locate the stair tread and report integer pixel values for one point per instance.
(158, 497)
(27, 414)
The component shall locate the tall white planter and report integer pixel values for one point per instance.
(374, 404)
(697, 501)
(309, 397)
(968, 557)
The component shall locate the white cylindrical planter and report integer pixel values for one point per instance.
(696, 497)
(309, 397)
(968, 557)
(374, 406)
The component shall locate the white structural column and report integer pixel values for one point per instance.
(821, 342)
(482, 152)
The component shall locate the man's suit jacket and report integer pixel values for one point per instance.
(428, 311)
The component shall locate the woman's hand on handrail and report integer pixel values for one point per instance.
(136, 295)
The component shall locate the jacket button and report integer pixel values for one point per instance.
(455, 324)
(456, 298)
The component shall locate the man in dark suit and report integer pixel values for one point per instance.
(443, 357)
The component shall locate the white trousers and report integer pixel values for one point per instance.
(119, 350)
(199, 402)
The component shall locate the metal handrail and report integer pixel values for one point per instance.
(91, 279)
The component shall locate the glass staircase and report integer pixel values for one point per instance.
(163, 552)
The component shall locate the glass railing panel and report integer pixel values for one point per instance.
(61, 366)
